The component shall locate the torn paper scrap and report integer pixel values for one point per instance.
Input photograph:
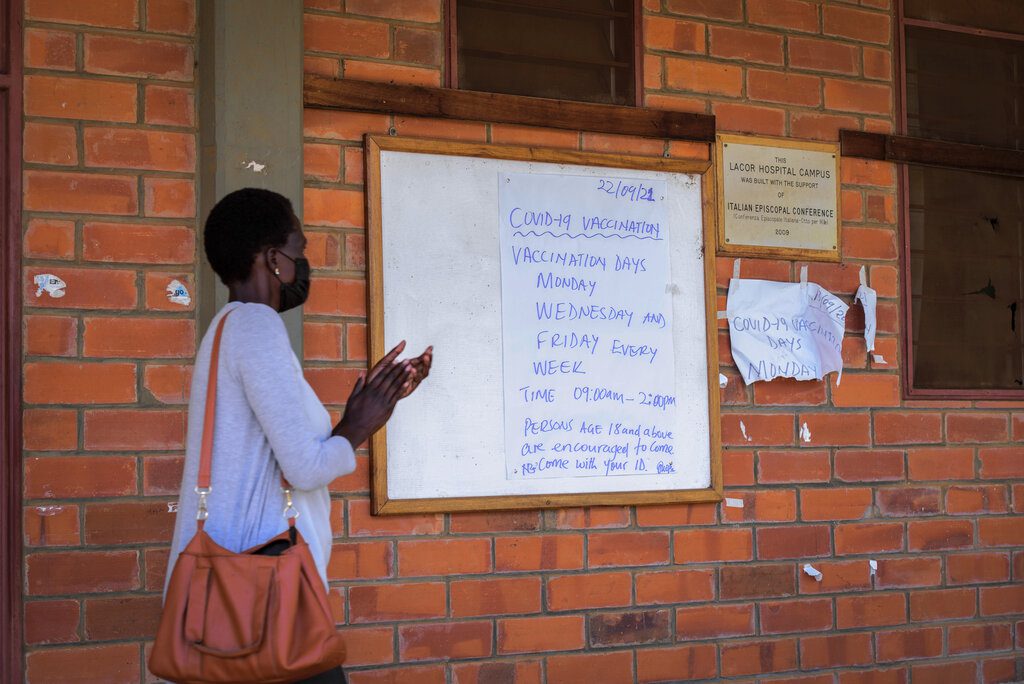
(868, 299)
(172, 506)
(50, 284)
(723, 381)
(743, 429)
(254, 166)
(178, 293)
(873, 565)
(812, 571)
(805, 434)
(733, 503)
(878, 358)
(785, 330)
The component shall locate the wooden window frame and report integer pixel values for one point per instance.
(451, 50)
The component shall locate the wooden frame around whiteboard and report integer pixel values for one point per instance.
(381, 503)
(729, 249)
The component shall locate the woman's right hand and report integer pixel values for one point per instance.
(373, 399)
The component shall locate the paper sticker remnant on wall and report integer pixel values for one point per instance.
(813, 572)
(51, 284)
(178, 294)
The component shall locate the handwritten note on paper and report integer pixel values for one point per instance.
(785, 330)
(589, 365)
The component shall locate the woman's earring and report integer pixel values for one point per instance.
(277, 271)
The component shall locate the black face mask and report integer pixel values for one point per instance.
(295, 293)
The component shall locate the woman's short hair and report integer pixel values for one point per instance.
(241, 225)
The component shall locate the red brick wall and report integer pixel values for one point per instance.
(931, 490)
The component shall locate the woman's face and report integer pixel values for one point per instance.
(294, 248)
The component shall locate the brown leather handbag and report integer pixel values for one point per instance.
(256, 616)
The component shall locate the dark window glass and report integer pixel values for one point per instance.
(992, 15)
(561, 49)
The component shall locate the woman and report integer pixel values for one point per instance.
(269, 421)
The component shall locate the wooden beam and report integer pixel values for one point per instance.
(364, 96)
(901, 148)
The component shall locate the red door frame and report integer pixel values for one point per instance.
(10, 345)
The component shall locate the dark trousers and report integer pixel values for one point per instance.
(333, 676)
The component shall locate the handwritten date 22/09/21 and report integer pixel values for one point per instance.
(634, 193)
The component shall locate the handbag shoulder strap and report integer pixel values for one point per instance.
(203, 487)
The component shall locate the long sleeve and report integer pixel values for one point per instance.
(260, 357)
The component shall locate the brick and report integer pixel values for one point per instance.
(81, 572)
(1008, 600)
(999, 669)
(596, 590)
(49, 49)
(138, 243)
(525, 671)
(805, 541)
(111, 14)
(943, 604)
(835, 650)
(355, 252)
(50, 144)
(981, 499)
(50, 335)
(424, 674)
(51, 622)
(704, 77)
(538, 552)
(674, 35)
(120, 56)
(876, 676)
(110, 524)
(1001, 463)
(783, 87)
(855, 96)
(908, 428)
(541, 634)
(769, 429)
(387, 602)
(589, 667)
(737, 468)
(49, 429)
(781, 467)
(756, 581)
(171, 16)
(418, 46)
(775, 505)
(831, 56)
(835, 503)
(1000, 531)
(940, 673)
(869, 466)
(856, 538)
(426, 11)
(619, 549)
(744, 118)
(788, 14)
(49, 239)
(696, 661)
(66, 97)
(934, 535)
(787, 617)
(838, 576)
(909, 501)
(715, 621)
(321, 161)
(940, 463)
(339, 125)
(125, 617)
(111, 664)
(788, 391)
(369, 646)
(139, 149)
(323, 33)
(906, 644)
(169, 106)
(51, 526)
(760, 657)
(622, 144)
(483, 522)
(445, 640)
(638, 627)
(130, 430)
(867, 172)
(980, 638)
(168, 384)
(333, 207)
(139, 338)
(169, 197)
(161, 475)
(444, 557)
(975, 568)
(866, 390)
(674, 586)
(818, 126)
(322, 341)
(714, 545)
(495, 596)
(909, 572)
(977, 427)
(591, 518)
(76, 193)
(79, 383)
(87, 289)
(79, 476)
(362, 524)
(392, 73)
(837, 429)
(363, 560)
(855, 24)
(728, 10)
(746, 45)
(873, 610)
(337, 297)
(676, 514)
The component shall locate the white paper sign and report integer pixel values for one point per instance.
(588, 359)
(785, 330)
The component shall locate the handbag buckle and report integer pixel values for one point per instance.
(289, 507)
(203, 513)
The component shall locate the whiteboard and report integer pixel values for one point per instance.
(435, 279)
